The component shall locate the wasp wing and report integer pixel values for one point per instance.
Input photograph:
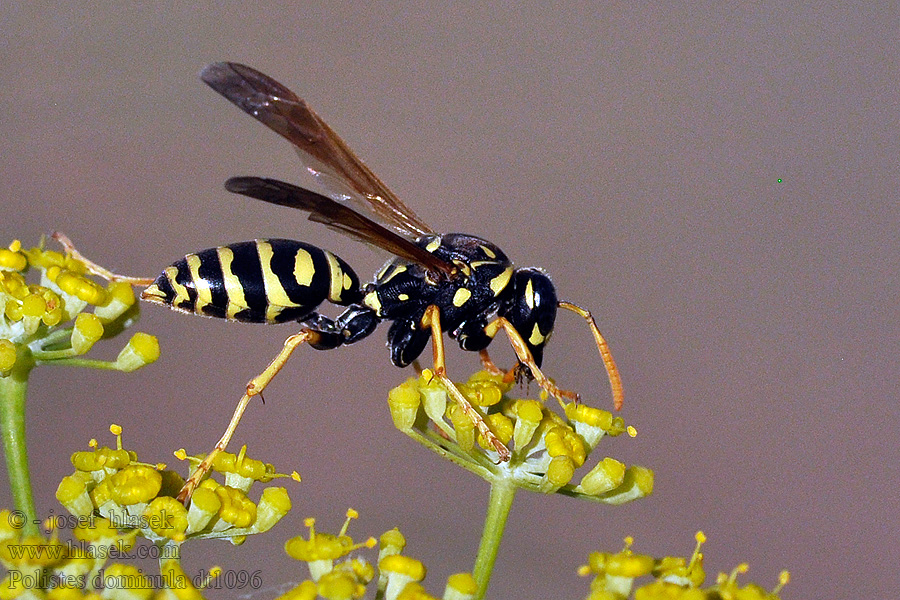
(323, 209)
(323, 152)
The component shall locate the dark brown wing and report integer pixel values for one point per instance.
(324, 210)
(324, 153)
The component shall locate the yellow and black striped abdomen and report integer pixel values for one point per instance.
(263, 281)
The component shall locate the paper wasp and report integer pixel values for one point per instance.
(454, 283)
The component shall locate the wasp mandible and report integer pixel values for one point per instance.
(455, 283)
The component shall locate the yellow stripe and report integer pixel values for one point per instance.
(498, 283)
(181, 293)
(433, 244)
(275, 295)
(390, 271)
(337, 277)
(488, 251)
(204, 294)
(152, 293)
(233, 289)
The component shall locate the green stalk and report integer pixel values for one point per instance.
(503, 491)
(13, 390)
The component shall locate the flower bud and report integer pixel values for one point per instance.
(142, 349)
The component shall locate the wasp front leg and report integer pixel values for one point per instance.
(520, 347)
(488, 364)
(432, 319)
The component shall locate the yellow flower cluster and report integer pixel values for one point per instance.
(547, 449)
(674, 578)
(137, 496)
(336, 575)
(41, 568)
(46, 322)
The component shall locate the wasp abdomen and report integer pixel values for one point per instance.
(263, 281)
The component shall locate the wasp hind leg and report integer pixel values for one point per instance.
(255, 387)
(432, 319)
(96, 269)
(321, 333)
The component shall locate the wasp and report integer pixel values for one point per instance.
(453, 283)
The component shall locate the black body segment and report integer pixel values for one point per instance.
(261, 281)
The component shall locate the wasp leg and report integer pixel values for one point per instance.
(432, 319)
(615, 381)
(524, 355)
(255, 387)
(488, 365)
(93, 267)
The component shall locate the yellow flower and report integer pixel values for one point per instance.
(547, 448)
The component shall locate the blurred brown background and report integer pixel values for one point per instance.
(719, 185)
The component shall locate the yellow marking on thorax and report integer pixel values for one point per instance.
(461, 296)
(498, 283)
(488, 251)
(390, 271)
(234, 291)
(204, 294)
(372, 301)
(433, 244)
(402, 297)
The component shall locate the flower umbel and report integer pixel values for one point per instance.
(337, 573)
(55, 318)
(674, 577)
(111, 483)
(62, 316)
(547, 449)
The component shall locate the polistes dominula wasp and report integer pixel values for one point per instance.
(454, 283)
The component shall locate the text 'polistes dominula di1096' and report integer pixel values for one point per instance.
(455, 283)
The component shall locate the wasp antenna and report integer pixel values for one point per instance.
(615, 381)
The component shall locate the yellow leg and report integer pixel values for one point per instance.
(525, 357)
(96, 269)
(255, 387)
(433, 319)
(615, 381)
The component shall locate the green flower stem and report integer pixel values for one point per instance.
(87, 363)
(13, 390)
(503, 491)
